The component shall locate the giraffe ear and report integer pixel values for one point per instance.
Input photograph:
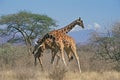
(79, 18)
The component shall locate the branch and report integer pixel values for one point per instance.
(13, 36)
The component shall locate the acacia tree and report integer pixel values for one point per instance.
(25, 27)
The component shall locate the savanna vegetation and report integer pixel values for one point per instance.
(100, 58)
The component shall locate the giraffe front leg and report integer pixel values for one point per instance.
(62, 55)
(58, 59)
(54, 52)
(40, 61)
(53, 57)
(35, 63)
(35, 57)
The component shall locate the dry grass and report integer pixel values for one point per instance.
(15, 64)
(94, 76)
(38, 75)
(58, 73)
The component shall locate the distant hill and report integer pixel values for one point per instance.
(81, 36)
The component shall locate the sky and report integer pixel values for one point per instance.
(95, 13)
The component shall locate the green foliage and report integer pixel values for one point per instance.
(27, 24)
(25, 27)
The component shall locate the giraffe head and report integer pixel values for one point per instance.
(80, 22)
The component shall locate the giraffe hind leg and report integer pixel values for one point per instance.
(70, 58)
(69, 54)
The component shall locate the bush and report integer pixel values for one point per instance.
(10, 55)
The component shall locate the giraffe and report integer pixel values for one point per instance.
(52, 34)
(69, 47)
(58, 38)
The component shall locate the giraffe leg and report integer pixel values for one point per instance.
(35, 63)
(40, 61)
(36, 56)
(69, 55)
(58, 59)
(53, 56)
(73, 49)
(54, 52)
(62, 53)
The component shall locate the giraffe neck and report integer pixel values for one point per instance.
(68, 28)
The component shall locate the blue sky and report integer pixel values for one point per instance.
(65, 11)
(95, 13)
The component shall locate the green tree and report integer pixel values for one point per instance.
(25, 27)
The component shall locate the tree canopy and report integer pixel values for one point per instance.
(25, 26)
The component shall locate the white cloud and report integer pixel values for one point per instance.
(88, 26)
(96, 26)
(93, 26)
